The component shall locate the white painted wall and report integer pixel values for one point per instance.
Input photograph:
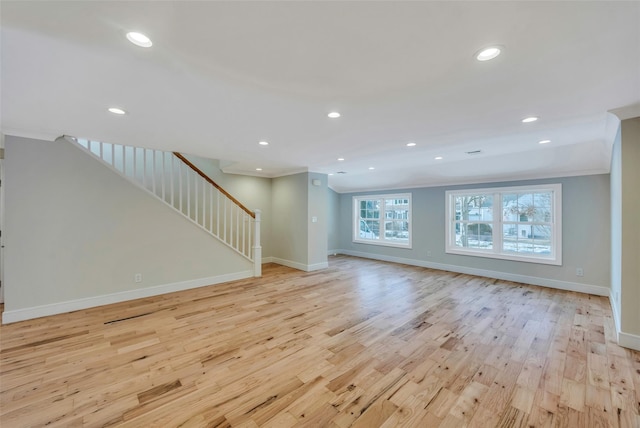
(76, 230)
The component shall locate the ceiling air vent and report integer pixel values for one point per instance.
(341, 172)
(474, 152)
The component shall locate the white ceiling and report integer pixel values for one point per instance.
(222, 76)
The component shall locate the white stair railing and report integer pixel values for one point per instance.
(178, 183)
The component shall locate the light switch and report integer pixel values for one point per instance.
(314, 219)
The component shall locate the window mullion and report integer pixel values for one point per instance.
(497, 223)
(382, 220)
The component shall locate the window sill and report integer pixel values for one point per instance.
(506, 256)
(384, 244)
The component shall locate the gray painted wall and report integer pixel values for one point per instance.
(625, 199)
(89, 231)
(290, 211)
(333, 213)
(586, 232)
(616, 226)
(74, 230)
(297, 240)
(285, 219)
(317, 231)
(253, 192)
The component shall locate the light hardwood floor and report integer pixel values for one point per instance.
(362, 344)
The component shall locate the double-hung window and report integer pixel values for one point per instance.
(514, 223)
(382, 219)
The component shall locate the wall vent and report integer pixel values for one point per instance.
(474, 152)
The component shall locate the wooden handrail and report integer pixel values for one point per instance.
(214, 184)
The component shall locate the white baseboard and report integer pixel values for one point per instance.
(122, 296)
(267, 260)
(545, 282)
(300, 266)
(289, 263)
(628, 340)
(615, 311)
(317, 266)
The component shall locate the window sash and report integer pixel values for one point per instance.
(550, 253)
(391, 220)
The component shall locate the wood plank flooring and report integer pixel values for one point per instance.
(360, 344)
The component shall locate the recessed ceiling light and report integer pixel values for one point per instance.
(116, 110)
(331, 173)
(334, 115)
(139, 39)
(263, 143)
(544, 141)
(438, 158)
(411, 144)
(340, 159)
(258, 169)
(529, 119)
(371, 168)
(488, 53)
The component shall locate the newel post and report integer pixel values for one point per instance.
(257, 249)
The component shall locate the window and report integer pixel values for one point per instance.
(514, 223)
(382, 220)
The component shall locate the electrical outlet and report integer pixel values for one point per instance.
(137, 277)
(579, 272)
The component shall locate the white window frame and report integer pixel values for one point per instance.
(383, 241)
(555, 258)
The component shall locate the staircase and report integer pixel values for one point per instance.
(178, 183)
